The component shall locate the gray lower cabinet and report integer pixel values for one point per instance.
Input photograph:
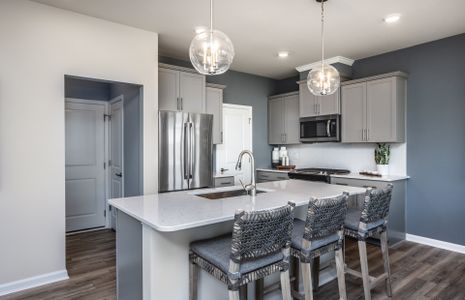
(214, 106)
(312, 106)
(223, 181)
(396, 221)
(283, 119)
(373, 109)
(180, 89)
(267, 176)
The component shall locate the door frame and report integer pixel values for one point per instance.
(108, 153)
(107, 144)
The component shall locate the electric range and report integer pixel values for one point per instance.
(316, 174)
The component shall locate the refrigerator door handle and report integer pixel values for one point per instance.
(186, 162)
(191, 150)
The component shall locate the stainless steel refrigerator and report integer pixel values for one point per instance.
(185, 151)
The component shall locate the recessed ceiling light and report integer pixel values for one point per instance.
(200, 29)
(392, 18)
(283, 54)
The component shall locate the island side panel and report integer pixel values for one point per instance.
(128, 257)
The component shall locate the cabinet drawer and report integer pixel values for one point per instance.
(264, 176)
(224, 181)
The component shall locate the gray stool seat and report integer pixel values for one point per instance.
(298, 233)
(217, 251)
(352, 221)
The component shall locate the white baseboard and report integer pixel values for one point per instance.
(31, 282)
(435, 243)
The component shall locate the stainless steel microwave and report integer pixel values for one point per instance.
(320, 129)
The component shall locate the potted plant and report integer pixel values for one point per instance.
(382, 155)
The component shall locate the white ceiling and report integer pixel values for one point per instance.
(261, 28)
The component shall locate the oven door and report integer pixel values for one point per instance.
(320, 129)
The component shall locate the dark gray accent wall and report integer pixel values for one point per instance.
(287, 85)
(245, 89)
(435, 133)
(132, 136)
(86, 89)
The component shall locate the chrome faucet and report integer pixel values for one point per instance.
(251, 187)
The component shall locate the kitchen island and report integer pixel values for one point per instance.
(153, 234)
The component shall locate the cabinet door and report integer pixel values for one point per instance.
(307, 102)
(353, 117)
(291, 120)
(214, 106)
(276, 121)
(381, 110)
(329, 105)
(192, 92)
(168, 89)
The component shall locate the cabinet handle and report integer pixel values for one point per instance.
(285, 137)
(368, 134)
(182, 104)
(177, 103)
(221, 136)
(318, 108)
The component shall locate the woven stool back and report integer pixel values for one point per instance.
(325, 217)
(376, 205)
(260, 233)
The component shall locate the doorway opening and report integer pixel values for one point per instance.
(237, 136)
(103, 149)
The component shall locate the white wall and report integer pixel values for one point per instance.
(354, 157)
(39, 45)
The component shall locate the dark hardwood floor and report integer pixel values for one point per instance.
(418, 272)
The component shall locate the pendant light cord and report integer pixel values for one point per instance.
(322, 35)
(211, 15)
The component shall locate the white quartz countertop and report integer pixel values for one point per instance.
(168, 212)
(387, 178)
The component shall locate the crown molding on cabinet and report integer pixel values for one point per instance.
(329, 61)
(380, 76)
(177, 68)
(296, 93)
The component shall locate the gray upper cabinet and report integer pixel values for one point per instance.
(168, 89)
(275, 121)
(373, 109)
(214, 106)
(353, 117)
(283, 119)
(181, 89)
(312, 106)
(291, 120)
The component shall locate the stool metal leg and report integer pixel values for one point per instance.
(387, 267)
(316, 273)
(307, 280)
(243, 292)
(362, 249)
(296, 274)
(340, 274)
(194, 275)
(259, 289)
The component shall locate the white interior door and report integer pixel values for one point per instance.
(84, 159)
(237, 136)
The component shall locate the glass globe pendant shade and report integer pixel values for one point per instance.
(211, 52)
(323, 80)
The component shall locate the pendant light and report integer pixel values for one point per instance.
(323, 80)
(211, 51)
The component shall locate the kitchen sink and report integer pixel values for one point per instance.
(226, 194)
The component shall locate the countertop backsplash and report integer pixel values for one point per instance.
(354, 157)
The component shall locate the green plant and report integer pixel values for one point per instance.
(382, 154)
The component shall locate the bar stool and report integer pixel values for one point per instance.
(320, 233)
(259, 246)
(361, 224)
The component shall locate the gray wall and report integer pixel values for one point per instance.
(132, 136)
(245, 89)
(435, 134)
(86, 89)
(287, 85)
